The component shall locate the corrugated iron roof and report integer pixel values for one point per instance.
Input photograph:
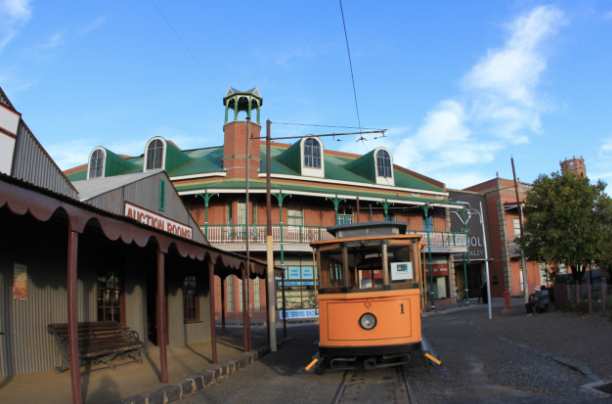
(97, 186)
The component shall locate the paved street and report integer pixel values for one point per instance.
(476, 368)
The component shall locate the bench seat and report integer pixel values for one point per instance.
(100, 341)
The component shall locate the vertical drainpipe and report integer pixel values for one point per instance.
(433, 304)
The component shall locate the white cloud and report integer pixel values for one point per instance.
(13, 14)
(499, 105)
(55, 40)
(95, 24)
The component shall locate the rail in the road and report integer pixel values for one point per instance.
(383, 385)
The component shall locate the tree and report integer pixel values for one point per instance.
(603, 257)
(562, 223)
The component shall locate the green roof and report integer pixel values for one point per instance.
(284, 161)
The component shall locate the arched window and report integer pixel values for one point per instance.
(155, 152)
(312, 153)
(96, 164)
(383, 164)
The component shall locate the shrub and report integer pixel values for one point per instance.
(569, 307)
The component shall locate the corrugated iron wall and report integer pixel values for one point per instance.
(136, 298)
(27, 344)
(111, 201)
(34, 165)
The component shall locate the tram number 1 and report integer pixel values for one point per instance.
(402, 306)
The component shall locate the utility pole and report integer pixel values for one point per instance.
(270, 295)
(520, 209)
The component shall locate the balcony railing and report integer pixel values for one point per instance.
(292, 234)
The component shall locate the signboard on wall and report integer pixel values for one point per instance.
(438, 269)
(159, 222)
(299, 313)
(20, 282)
(401, 271)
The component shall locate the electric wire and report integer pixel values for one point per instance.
(350, 64)
(325, 126)
(185, 45)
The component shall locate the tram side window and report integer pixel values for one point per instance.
(331, 273)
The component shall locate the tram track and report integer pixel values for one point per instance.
(383, 385)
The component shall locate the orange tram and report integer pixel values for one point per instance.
(369, 296)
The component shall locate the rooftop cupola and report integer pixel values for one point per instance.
(242, 101)
(235, 133)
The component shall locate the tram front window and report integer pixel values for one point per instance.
(363, 267)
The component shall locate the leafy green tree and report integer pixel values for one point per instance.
(603, 257)
(562, 224)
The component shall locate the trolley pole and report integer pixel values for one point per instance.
(270, 289)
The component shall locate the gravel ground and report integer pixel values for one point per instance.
(582, 339)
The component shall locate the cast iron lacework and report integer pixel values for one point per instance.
(154, 155)
(312, 153)
(383, 164)
(96, 165)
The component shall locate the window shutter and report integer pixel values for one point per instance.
(162, 195)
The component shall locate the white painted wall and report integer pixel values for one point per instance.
(9, 120)
(7, 148)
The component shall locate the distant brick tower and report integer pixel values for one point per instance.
(234, 145)
(575, 166)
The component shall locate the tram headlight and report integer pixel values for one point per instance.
(367, 321)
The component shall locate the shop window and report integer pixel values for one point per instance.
(155, 152)
(191, 306)
(257, 294)
(312, 153)
(96, 164)
(110, 298)
(299, 289)
(295, 217)
(230, 293)
(383, 164)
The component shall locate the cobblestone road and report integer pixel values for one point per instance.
(477, 368)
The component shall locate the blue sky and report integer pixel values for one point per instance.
(461, 86)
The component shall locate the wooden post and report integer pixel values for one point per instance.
(223, 307)
(213, 328)
(590, 301)
(385, 266)
(357, 216)
(267, 311)
(284, 309)
(604, 294)
(161, 316)
(73, 339)
(245, 314)
(578, 292)
(569, 292)
(345, 268)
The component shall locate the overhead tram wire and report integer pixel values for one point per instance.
(350, 64)
(326, 126)
(185, 45)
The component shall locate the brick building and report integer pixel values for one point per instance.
(574, 165)
(313, 188)
(504, 218)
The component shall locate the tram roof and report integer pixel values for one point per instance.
(379, 237)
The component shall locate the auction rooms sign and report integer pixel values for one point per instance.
(159, 222)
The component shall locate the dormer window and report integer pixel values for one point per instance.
(96, 164)
(312, 153)
(383, 164)
(155, 153)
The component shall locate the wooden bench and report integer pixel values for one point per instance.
(547, 307)
(100, 341)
